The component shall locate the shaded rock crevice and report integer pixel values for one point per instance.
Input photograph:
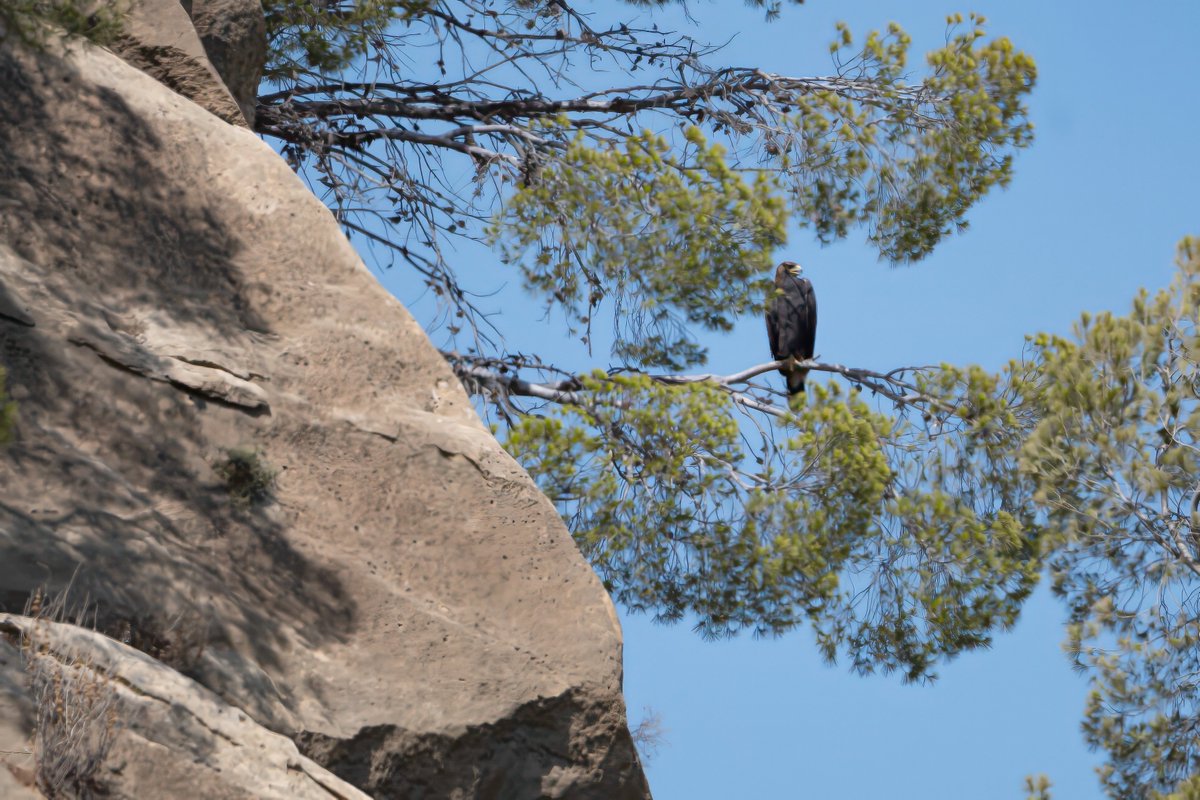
(490, 761)
(161, 41)
(182, 73)
(234, 35)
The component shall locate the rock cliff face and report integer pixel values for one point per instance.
(402, 613)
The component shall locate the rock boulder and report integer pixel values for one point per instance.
(399, 599)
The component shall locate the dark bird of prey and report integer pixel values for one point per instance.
(792, 322)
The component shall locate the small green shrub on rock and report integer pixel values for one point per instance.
(8, 412)
(248, 477)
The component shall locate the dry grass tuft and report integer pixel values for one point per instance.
(75, 723)
(75, 708)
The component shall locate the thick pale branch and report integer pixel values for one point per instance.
(747, 89)
(513, 385)
(886, 384)
(571, 391)
(356, 139)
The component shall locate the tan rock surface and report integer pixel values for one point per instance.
(161, 41)
(409, 607)
(16, 728)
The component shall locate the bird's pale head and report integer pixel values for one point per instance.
(788, 268)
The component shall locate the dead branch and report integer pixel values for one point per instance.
(497, 379)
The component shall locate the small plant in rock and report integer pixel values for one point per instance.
(8, 412)
(247, 476)
(649, 735)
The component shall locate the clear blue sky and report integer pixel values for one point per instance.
(1094, 212)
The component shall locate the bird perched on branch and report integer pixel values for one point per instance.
(792, 322)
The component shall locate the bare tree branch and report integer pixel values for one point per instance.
(497, 379)
(452, 109)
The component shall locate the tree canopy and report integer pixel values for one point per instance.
(657, 189)
(1115, 470)
(912, 526)
(660, 195)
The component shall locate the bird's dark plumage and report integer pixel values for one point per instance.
(792, 322)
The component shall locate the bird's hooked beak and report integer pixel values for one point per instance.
(793, 268)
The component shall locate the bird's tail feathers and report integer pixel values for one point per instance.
(795, 381)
